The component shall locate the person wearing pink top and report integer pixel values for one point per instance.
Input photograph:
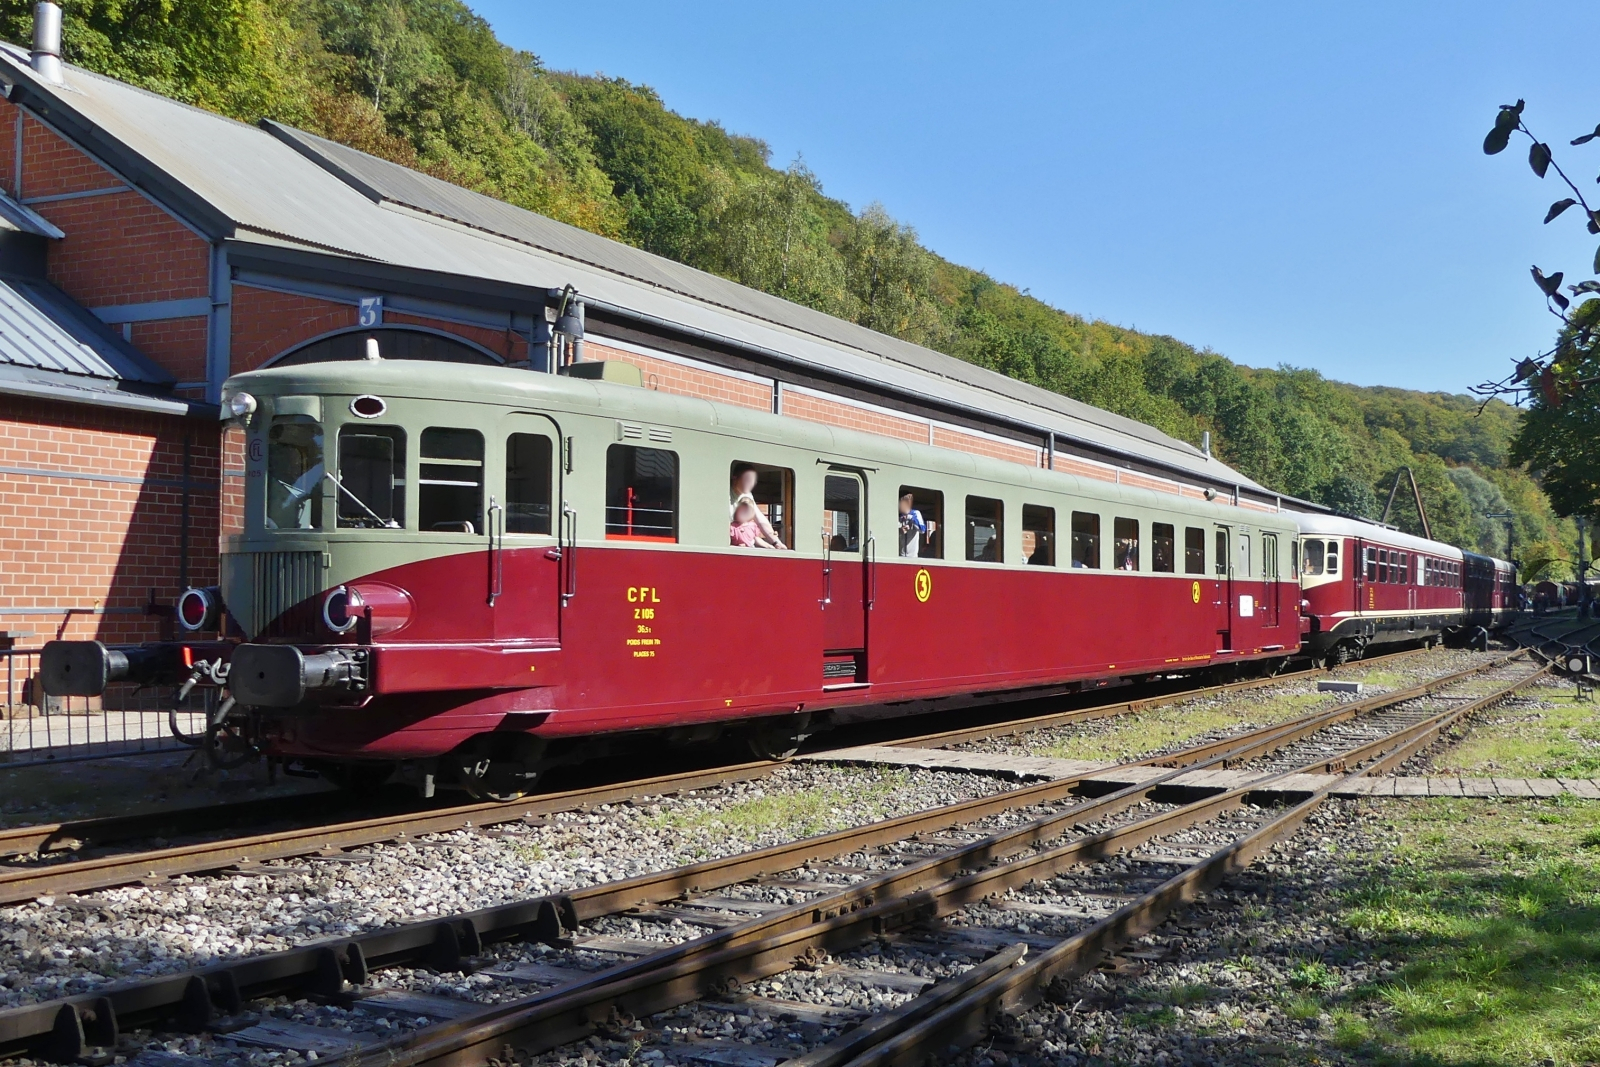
(744, 531)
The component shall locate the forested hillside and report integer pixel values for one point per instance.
(426, 83)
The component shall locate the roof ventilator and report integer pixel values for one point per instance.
(46, 56)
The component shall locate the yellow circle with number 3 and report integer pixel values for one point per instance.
(924, 586)
(1194, 592)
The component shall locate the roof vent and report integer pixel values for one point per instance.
(46, 55)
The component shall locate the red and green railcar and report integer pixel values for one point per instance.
(471, 570)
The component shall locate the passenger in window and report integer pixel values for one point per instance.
(744, 530)
(1127, 554)
(743, 487)
(914, 529)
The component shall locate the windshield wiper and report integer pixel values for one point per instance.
(387, 524)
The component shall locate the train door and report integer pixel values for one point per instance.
(1222, 591)
(1359, 577)
(846, 572)
(1268, 604)
(529, 526)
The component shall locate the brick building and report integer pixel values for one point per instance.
(149, 249)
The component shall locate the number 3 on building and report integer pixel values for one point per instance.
(924, 586)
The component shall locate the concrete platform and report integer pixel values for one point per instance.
(1107, 777)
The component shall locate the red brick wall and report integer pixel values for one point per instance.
(79, 543)
(680, 380)
(178, 345)
(832, 413)
(984, 446)
(266, 323)
(122, 249)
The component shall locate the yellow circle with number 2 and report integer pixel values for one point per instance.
(924, 586)
(1194, 592)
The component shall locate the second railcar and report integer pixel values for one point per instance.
(1367, 585)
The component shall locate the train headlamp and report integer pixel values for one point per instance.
(340, 608)
(241, 406)
(199, 609)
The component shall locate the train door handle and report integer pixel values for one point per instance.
(497, 537)
(569, 553)
(827, 572)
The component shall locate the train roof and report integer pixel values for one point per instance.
(1340, 526)
(278, 199)
(509, 387)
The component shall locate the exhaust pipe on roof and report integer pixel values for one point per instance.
(46, 56)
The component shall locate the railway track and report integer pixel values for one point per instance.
(47, 861)
(943, 877)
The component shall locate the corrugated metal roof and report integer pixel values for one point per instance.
(379, 178)
(286, 188)
(43, 329)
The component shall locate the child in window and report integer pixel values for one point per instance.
(744, 531)
(913, 527)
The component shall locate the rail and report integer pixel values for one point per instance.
(21, 883)
(883, 904)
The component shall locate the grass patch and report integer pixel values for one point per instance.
(1494, 914)
(1562, 741)
(1131, 736)
(865, 797)
(1312, 975)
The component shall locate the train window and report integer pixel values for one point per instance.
(1403, 571)
(1086, 540)
(1038, 535)
(841, 513)
(1372, 565)
(1330, 562)
(1245, 569)
(641, 494)
(985, 530)
(294, 473)
(1383, 566)
(1220, 564)
(772, 489)
(1269, 557)
(1125, 533)
(1194, 550)
(1294, 558)
(1163, 548)
(1313, 557)
(921, 523)
(371, 484)
(450, 485)
(528, 466)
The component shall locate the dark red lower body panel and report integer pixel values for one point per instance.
(668, 638)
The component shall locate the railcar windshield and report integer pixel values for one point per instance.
(1311, 560)
(371, 482)
(294, 473)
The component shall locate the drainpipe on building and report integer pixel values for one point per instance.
(46, 56)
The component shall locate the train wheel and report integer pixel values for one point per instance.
(1341, 654)
(779, 741)
(498, 769)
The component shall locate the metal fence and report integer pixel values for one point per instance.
(127, 720)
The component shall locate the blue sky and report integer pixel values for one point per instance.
(1282, 183)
